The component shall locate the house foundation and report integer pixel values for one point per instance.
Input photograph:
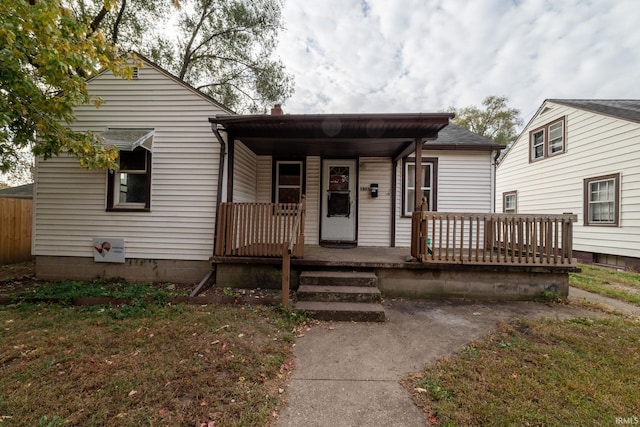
(132, 270)
(415, 280)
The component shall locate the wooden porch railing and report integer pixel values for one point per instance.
(468, 238)
(259, 229)
(263, 230)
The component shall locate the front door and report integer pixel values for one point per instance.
(339, 208)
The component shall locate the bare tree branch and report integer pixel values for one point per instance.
(116, 25)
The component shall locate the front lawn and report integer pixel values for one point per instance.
(609, 282)
(584, 371)
(143, 364)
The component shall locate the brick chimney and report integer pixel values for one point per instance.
(277, 110)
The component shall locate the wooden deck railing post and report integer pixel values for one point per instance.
(303, 218)
(286, 273)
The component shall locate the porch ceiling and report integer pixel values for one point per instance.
(348, 135)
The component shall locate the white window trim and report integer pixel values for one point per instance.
(409, 182)
(506, 195)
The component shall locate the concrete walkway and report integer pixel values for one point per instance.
(580, 295)
(347, 374)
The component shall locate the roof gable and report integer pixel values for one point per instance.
(149, 63)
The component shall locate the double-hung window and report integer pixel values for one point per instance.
(548, 140)
(129, 186)
(510, 202)
(427, 182)
(289, 181)
(602, 200)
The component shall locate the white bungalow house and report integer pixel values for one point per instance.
(200, 187)
(580, 156)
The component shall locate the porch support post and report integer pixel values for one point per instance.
(418, 174)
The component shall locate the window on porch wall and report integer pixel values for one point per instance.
(427, 185)
(288, 188)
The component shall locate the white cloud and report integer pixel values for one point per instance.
(416, 55)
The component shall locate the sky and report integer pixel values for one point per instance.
(380, 56)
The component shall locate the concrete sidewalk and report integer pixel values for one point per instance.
(347, 374)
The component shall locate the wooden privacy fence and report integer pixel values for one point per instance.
(468, 238)
(15, 230)
(259, 229)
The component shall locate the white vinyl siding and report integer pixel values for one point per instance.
(70, 201)
(311, 229)
(596, 145)
(244, 174)
(263, 185)
(374, 213)
(463, 185)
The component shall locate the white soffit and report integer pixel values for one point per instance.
(129, 139)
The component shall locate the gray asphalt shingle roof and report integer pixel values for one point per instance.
(628, 109)
(454, 134)
(20, 192)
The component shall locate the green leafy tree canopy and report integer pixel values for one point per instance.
(46, 56)
(225, 48)
(495, 120)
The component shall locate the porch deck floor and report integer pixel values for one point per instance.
(366, 257)
(378, 257)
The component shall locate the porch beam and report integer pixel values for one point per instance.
(407, 149)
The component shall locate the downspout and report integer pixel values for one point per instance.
(394, 184)
(223, 149)
(493, 165)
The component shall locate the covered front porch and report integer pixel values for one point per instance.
(480, 256)
(387, 198)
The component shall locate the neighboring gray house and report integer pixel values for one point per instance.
(580, 156)
(20, 192)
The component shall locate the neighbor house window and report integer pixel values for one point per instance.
(129, 186)
(427, 184)
(510, 202)
(288, 181)
(548, 140)
(602, 200)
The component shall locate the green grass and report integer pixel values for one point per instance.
(582, 371)
(161, 365)
(65, 291)
(621, 285)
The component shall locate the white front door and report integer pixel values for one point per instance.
(338, 200)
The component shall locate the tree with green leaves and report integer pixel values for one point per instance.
(46, 56)
(495, 121)
(48, 49)
(221, 47)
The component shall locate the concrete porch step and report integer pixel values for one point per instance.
(342, 278)
(343, 311)
(338, 293)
